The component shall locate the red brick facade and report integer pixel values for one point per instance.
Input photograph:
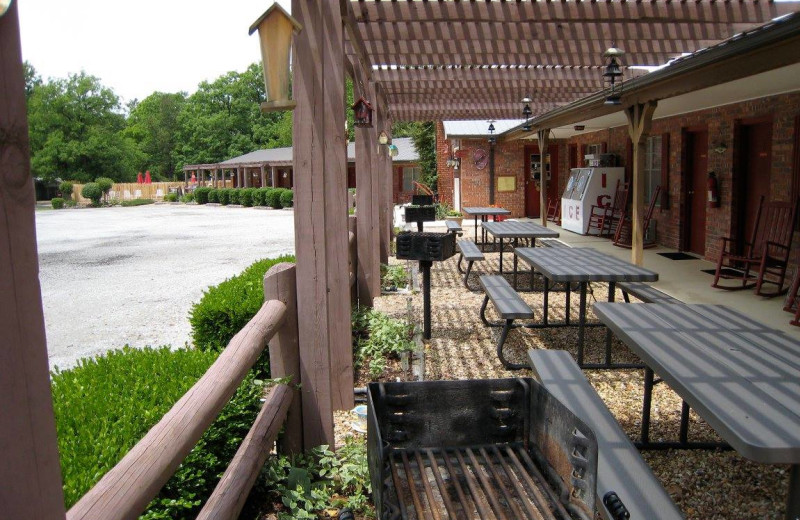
(783, 110)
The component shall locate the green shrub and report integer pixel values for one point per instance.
(57, 202)
(171, 197)
(246, 197)
(287, 198)
(274, 198)
(226, 308)
(394, 276)
(66, 189)
(201, 195)
(213, 196)
(258, 196)
(224, 196)
(92, 192)
(378, 337)
(105, 405)
(105, 185)
(189, 197)
(136, 202)
(235, 196)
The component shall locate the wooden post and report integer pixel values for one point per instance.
(263, 176)
(185, 179)
(640, 118)
(273, 176)
(280, 283)
(352, 226)
(321, 239)
(369, 269)
(29, 469)
(382, 168)
(544, 136)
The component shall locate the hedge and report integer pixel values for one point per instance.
(213, 196)
(246, 197)
(287, 198)
(234, 196)
(57, 202)
(201, 195)
(274, 198)
(224, 196)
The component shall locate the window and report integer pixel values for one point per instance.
(410, 174)
(652, 168)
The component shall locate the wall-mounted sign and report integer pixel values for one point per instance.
(507, 183)
(481, 158)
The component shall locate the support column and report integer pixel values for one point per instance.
(640, 118)
(273, 176)
(382, 168)
(29, 466)
(369, 271)
(185, 179)
(543, 136)
(321, 237)
(263, 177)
(248, 177)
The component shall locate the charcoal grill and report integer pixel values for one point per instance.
(420, 214)
(502, 449)
(427, 248)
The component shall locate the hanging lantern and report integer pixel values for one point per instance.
(611, 74)
(362, 113)
(275, 29)
(526, 114)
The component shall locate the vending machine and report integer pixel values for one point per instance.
(587, 187)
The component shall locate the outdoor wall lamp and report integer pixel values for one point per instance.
(275, 29)
(720, 149)
(492, 138)
(362, 113)
(611, 74)
(526, 113)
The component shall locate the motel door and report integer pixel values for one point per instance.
(696, 175)
(755, 166)
(532, 193)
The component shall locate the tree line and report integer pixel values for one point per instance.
(80, 129)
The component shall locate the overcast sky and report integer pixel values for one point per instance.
(139, 47)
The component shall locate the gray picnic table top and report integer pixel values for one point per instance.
(508, 229)
(742, 377)
(479, 210)
(582, 264)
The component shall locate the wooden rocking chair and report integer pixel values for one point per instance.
(554, 211)
(604, 218)
(768, 250)
(624, 234)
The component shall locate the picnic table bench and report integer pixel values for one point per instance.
(453, 227)
(620, 468)
(509, 305)
(471, 253)
(645, 292)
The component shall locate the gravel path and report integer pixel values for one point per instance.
(116, 276)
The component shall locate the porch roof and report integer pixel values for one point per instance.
(446, 60)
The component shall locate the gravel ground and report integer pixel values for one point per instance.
(116, 276)
(706, 485)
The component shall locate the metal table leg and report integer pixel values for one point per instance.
(514, 249)
(793, 502)
(581, 322)
(646, 402)
(501, 253)
(611, 295)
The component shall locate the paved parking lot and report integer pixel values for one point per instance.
(116, 276)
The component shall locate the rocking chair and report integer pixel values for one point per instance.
(623, 237)
(604, 218)
(768, 250)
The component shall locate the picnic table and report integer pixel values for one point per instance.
(514, 231)
(484, 213)
(580, 265)
(741, 377)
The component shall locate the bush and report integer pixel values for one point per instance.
(171, 197)
(213, 196)
(274, 198)
(105, 405)
(66, 189)
(224, 196)
(201, 195)
(136, 202)
(234, 196)
(246, 197)
(92, 192)
(287, 198)
(258, 196)
(105, 185)
(226, 308)
(57, 202)
(189, 197)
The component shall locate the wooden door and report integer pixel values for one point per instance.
(753, 173)
(695, 190)
(532, 195)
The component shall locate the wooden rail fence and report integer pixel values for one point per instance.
(130, 191)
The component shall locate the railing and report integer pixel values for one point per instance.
(130, 191)
(126, 489)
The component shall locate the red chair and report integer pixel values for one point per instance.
(604, 218)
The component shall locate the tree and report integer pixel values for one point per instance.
(32, 79)
(76, 131)
(423, 135)
(153, 124)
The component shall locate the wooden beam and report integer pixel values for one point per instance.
(384, 162)
(512, 73)
(640, 118)
(29, 468)
(543, 136)
(354, 37)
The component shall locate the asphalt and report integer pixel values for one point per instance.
(117, 276)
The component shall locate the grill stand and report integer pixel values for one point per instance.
(425, 267)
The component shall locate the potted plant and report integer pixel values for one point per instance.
(455, 216)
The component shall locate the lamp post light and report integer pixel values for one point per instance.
(492, 142)
(526, 113)
(611, 73)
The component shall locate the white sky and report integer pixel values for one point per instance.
(142, 46)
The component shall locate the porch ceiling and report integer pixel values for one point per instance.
(450, 59)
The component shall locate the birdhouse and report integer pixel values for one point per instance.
(362, 113)
(393, 151)
(275, 29)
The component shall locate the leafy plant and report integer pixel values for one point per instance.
(201, 195)
(442, 210)
(234, 196)
(57, 202)
(260, 196)
(136, 202)
(224, 196)
(105, 185)
(92, 192)
(246, 197)
(287, 198)
(213, 196)
(274, 198)
(65, 188)
(393, 276)
(171, 197)
(189, 197)
(378, 337)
